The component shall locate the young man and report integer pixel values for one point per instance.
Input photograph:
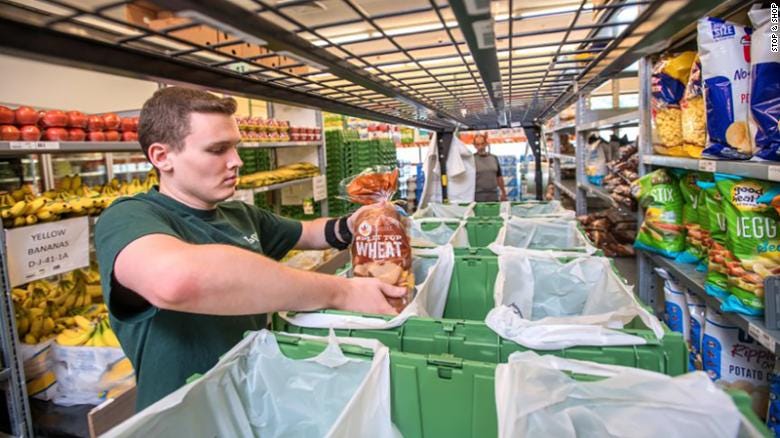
(488, 173)
(185, 274)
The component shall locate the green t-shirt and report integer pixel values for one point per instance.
(166, 347)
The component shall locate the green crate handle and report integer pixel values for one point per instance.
(445, 360)
(193, 378)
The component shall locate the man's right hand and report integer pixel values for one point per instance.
(368, 295)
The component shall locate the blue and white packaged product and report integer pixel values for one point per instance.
(734, 360)
(765, 85)
(676, 309)
(724, 51)
(696, 310)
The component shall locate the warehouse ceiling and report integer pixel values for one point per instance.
(429, 63)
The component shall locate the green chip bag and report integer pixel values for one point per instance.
(713, 220)
(692, 215)
(751, 230)
(662, 231)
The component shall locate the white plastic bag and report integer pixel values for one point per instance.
(544, 303)
(535, 396)
(448, 231)
(432, 276)
(445, 211)
(255, 390)
(551, 209)
(548, 233)
(39, 372)
(81, 373)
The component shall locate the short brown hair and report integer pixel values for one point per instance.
(165, 117)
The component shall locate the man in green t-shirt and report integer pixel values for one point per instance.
(184, 272)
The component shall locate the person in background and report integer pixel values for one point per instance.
(489, 180)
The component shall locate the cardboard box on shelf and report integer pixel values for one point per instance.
(110, 413)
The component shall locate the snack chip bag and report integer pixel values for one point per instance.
(724, 49)
(670, 76)
(380, 247)
(694, 117)
(596, 162)
(662, 231)
(751, 229)
(765, 85)
(695, 234)
(718, 254)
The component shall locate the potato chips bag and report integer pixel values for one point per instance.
(662, 231)
(380, 246)
(751, 231)
(718, 255)
(695, 234)
(670, 76)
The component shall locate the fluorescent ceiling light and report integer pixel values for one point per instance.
(345, 39)
(539, 12)
(302, 59)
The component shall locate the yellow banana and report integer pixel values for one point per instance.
(34, 206)
(18, 209)
(31, 339)
(18, 194)
(36, 325)
(31, 219)
(48, 325)
(71, 337)
(84, 323)
(109, 337)
(23, 325)
(40, 384)
(75, 183)
(45, 214)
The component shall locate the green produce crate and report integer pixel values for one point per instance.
(482, 231)
(487, 209)
(444, 396)
(473, 279)
(474, 340)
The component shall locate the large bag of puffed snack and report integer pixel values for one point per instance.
(765, 85)
(724, 50)
(719, 255)
(670, 76)
(380, 247)
(662, 231)
(734, 360)
(694, 116)
(752, 238)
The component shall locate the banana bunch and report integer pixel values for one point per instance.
(71, 198)
(89, 333)
(43, 308)
(284, 173)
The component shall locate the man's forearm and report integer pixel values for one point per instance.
(313, 235)
(209, 270)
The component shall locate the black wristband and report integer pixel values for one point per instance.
(330, 235)
(344, 233)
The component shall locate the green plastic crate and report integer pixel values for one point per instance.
(487, 209)
(471, 288)
(482, 231)
(474, 340)
(441, 395)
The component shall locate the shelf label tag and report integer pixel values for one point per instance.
(762, 337)
(707, 165)
(319, 187)
(49, 145)
(773, 173)
(46, 249)
(16, 145)
(244, 195)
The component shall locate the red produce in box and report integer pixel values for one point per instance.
(77, 119)
(126, 124)
(112, 135)
(129, 136)
(96, 136)
(76, 134)
(25, 115)
(111, 122)
(30, 133)
(135, 123)
(54, 119)
(6, 116)
(9, 133)
(94, 123)
(55, 134)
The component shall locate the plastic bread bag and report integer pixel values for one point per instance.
(380, 246)
(549, 396)
(765, 84)
(257, 390)
(718, 254)
(670, 76)
(734, 360)
(752, 238)
(724, 49)
(694, 115)
(662, 231)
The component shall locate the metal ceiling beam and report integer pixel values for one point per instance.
(29, 41)
(478, 28)
(657, 28)
(236, 20)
